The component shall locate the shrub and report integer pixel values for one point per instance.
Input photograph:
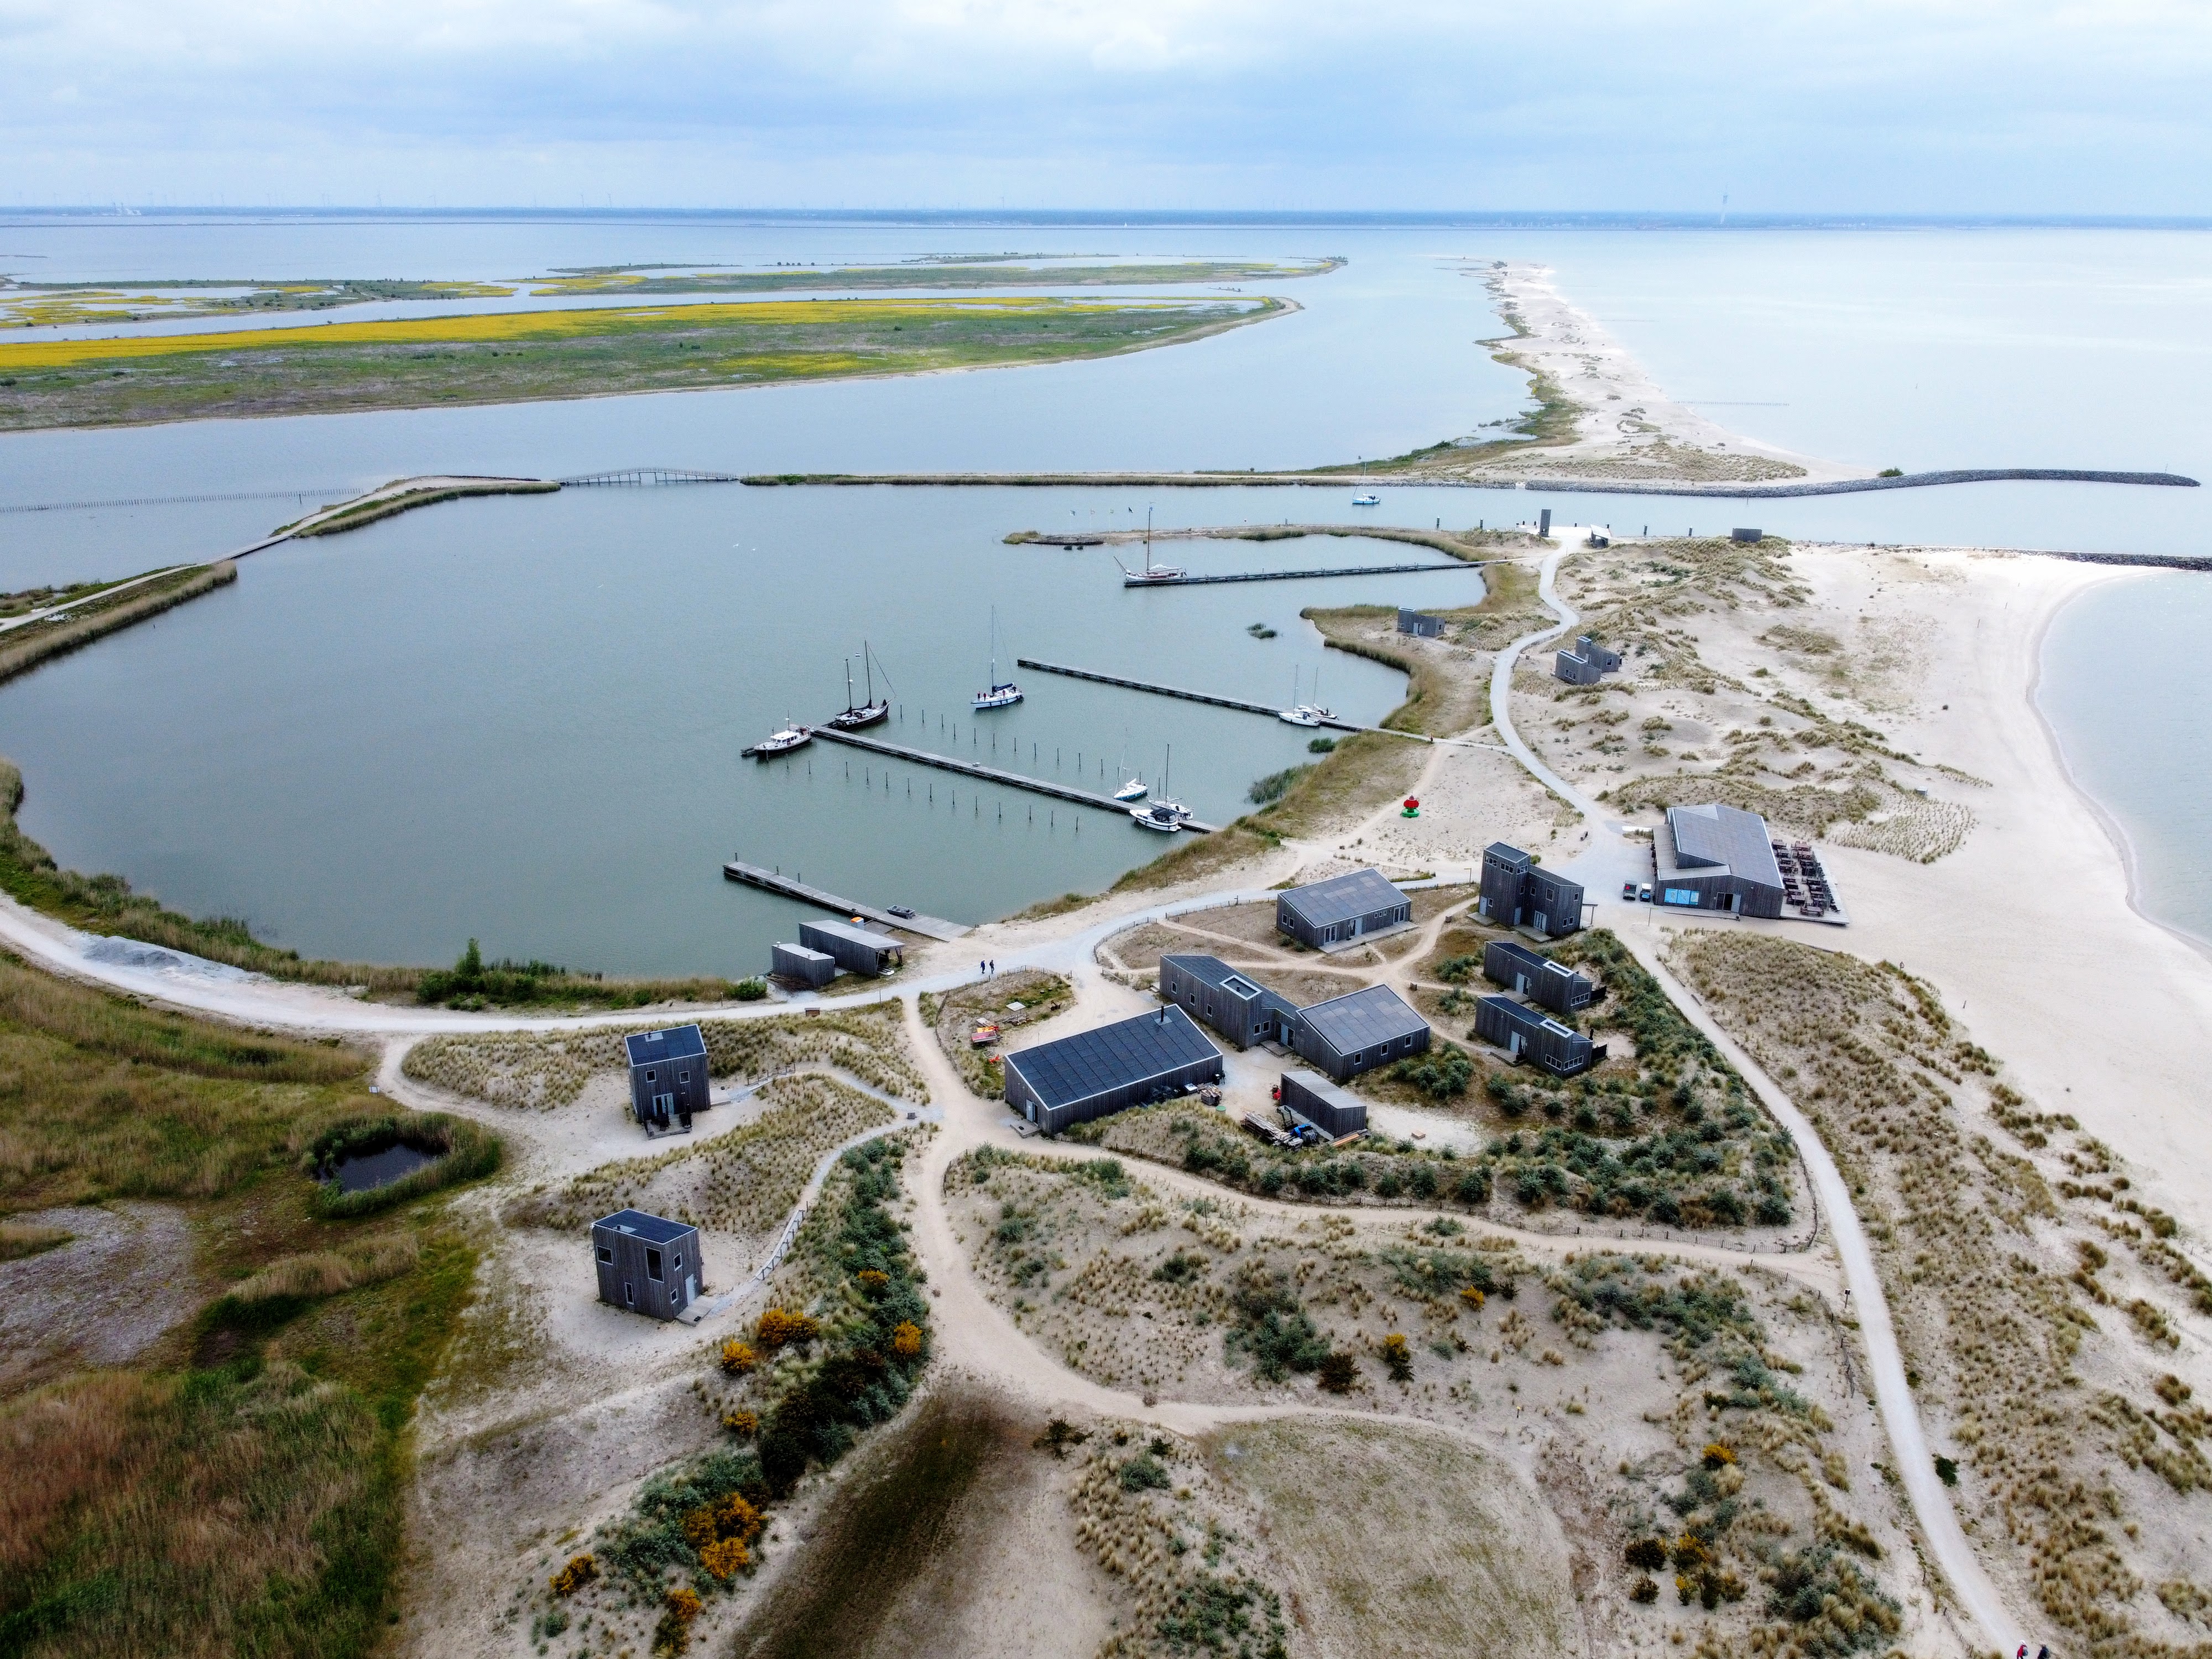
(1441, 1073)
(1272, 1327)
(725, 1557)
(683, 1602)
(1059, 1435)
(1338, 1372)
(1647, 1555)
(906, 1340)
(1946, 1471)
(738, 1359)
(580, 1572)
(743, 1423)
(1716, 1455)
(871, 1281)
(781, 1326)
(1472, 1296)
(1645, 1590)
(1143, 1472)
(1398, 1356)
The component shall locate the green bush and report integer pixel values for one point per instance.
(749, 990)
(1441, 1073)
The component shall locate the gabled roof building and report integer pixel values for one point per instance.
(1547, 983)
(1517, 893)
(1717, 857)
(1093, 1073)
(1359, 1032)
(1212, 992)
(1525, 1033)
(1343, 908)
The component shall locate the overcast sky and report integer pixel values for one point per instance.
(1930, 106)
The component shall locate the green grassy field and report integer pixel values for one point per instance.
(423, 362)
(235, 1486)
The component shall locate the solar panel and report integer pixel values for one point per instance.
(1341, 898)
(1090, 1063)
(1362, 1020)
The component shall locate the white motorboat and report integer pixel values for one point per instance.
(782, 743)
(1157, 815)
(1001, 694)
(1367, 501)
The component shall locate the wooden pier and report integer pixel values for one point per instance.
(1128, 581)
(775, 882)
(983, 774)
(1267, 708)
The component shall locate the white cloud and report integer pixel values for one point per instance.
(1939, 105)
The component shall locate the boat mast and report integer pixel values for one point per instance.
(868, 668)
(848, 685)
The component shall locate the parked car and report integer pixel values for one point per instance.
(1644, 892)
(1628, 891)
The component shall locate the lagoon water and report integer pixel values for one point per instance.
(518, 719)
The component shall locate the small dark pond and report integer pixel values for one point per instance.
(364, 1170)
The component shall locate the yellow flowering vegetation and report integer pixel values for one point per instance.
(781, 1326)
(723, 1534)
(580, 1572)
(523, 327)
(738, 1359)
(906, 1338)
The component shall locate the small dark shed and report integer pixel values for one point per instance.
(802, 966)
(1420, 626)
(667, 1077)
(1550, 984)
(1093, 1073)
(1359, 1032)
(1335, 1112)
(1343, 908)
(1215, 994)
(1746, 535)
(856, 948)
(1527, 1034)
(647, 1263)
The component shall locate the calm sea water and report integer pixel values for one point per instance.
(518, 719)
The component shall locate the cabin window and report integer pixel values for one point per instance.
(1358, 1057)
(648, 1077)
(607, 1253)
(679, 1264)
(653, 1264)
(683, 1077)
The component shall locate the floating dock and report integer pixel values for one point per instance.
(775, 882)
(1128, 581)
(1267, 708)
(990, 775)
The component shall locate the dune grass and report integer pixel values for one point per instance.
(522, 355)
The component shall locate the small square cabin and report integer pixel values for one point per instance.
(667, 1077)
(647, 1263)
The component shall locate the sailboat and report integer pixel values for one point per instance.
(1134, 788)
(1163, 813)
(870, 712)
(1000, 695)
(1152, 574)
(1303, 714)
